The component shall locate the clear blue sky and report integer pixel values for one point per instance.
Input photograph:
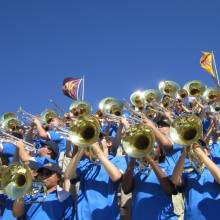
(119, 46)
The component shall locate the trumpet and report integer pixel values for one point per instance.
(44, 117)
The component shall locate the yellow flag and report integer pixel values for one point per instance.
(206, 63)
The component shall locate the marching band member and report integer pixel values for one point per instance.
(99, 180)
(151, 189)
(57, 205)
(201, 189)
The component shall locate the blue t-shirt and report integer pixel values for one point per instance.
(112, 130)
(149, 201)
(202, 194)
(6, 208)
(59, 139)
(8, 152)
(51, 208)
(97, 196)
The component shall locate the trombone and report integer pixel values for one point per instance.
(6, 137)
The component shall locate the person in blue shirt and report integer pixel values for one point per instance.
(57, 205)
(99, 181)
(201, 186)
(151, 188)
(46, 154)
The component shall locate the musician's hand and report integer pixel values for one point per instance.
(36, 121)
(20, 144)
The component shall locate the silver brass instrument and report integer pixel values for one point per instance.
(8, 138)
(138, 141)
(137, 99)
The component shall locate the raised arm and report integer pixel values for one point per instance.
(165, 182)
(212, 167)
(127, 180)
(41, 131)
(177, 172)
(110, 168)
(70, 171)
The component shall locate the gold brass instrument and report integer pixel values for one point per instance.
(152, 95)
(182, 93)
(80, 108)
(9, 124)
(138, 141)
(137, 99)
(186, 129)
(7, 115)
(106, 101)
(47, 115)
(210, 95)
(16, 180)
(169, 88)
(114, 108)
(194, 88)
(83, 131)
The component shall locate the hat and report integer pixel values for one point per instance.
(52, 167)
(52, 146)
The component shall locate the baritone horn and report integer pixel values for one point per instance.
(16, 180)
(138, 141)
(83, 131)
(186, 129)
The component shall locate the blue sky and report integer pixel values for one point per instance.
(119, 46)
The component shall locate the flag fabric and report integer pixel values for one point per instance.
(206, 63)
(71, 87)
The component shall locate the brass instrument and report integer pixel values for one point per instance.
(10, 124)
(7, 115)
(186, 129)
(194, 88)
(210, 95)
(152, 95)
(106, 101)
(137, 99)
(16, 180)
(80, 108)
(169, 88)
(8, 138)
(114, 108)
(138, 141)
(182, 93)
(83, 131)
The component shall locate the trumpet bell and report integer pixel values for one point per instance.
(7, 115)
(10, 124)
(169, 88)
(152, 95)
(137, 99)
(194, 88)
(182, 93)
(114, 108)
(80, 108)
(47, 115)
(215, 107)
(186, 129)
(138, 141)
(210, 94)
(16, 180)
(106, 101)
(84, 131)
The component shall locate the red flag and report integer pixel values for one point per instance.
(71, 87)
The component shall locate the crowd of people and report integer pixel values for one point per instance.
(157, 157)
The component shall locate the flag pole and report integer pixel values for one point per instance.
(216, 72)
(83, 86)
